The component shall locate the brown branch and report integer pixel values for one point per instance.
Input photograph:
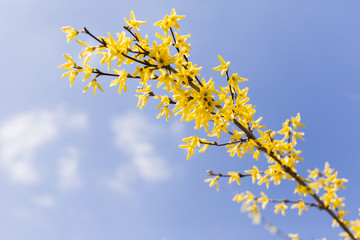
(178, 50)
(286, 169)
(294, 201)
(127, 28)
(138, 61)
(248, 133)
(298, 179)
(241, 175)
(210, 173)
(231, 90)
(103, 43)
(171, 101)
(242, 140)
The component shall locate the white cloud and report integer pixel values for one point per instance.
(44, 201)
(177, 128)
(23, 135)
(151, 167)
(68, 169)
(123, 178)
(134, 136)
(21, 213)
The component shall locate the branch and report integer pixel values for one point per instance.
(295, 176)
(241, 175)
(103, 43)
(242, 140)
(178, 50)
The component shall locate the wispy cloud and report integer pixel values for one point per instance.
(134, 136)
(68, 169)
(177, 128)
(124, 177)
(44, 201)
(22, 136)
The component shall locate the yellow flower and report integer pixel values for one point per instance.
(87, 70)
(239, 197)
(249, 198)
(116, 49)
(165, 101)
(94, 84)
(163, 57)
(72, 75)
(71, 32)
(88, 49)
(234, 176)
(293, 236)
(297, 135)
(174, 18)
(69, 65)
(264, 179)
(192, 70)
(164, 78)
(264, 199)
(213, 181)
(144, 73)
(144, 97)
(166, 40)
(180, 41)
(224, 67)
(133, 23)
(204, 148)
(165, 110)
(142, 100)
(234, 80)
(191, 143)
(255, 174)
(280, 207)
(121, 80)
(296, 122)
(313, 174)
(169, 21)
(300, 205)
(253, 208)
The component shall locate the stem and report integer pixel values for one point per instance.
(171, 101)
(231, 90)
(138, 61)
(285, 168)
(97, 39)
(241, 175)
(242, 140)
(101, 73)
(127, 28)
(248, 133)
(295, 176)
(186, 59)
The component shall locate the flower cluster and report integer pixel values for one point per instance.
(225, 113)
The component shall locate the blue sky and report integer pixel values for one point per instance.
(69, 165)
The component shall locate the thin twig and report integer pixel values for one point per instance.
(242, 140)
(178, 50)
(294, 175)
(97, 39)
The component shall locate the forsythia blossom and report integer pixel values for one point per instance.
(224, 67)
(133, 23)
(71, 32)
(224, 113)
